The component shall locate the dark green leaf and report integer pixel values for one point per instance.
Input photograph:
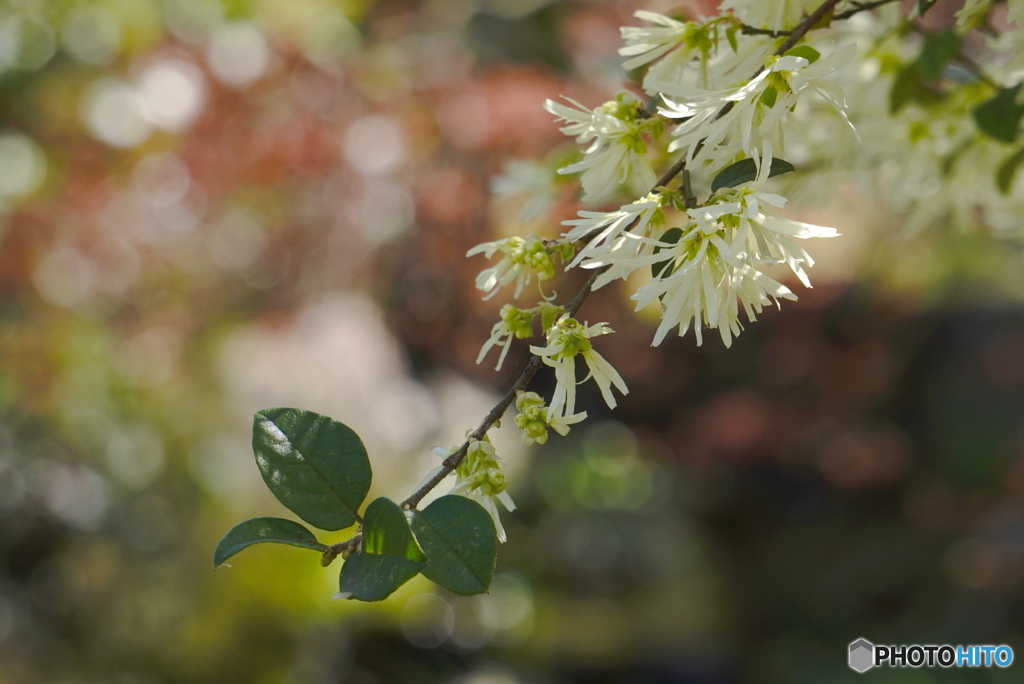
(258, 530)
(372, 577)
(925, 5)
(390, 555)
(805, 51)
(1007, 170)
(746, 170)
(663, 269)
(769, 96)
(909, 86)
(314, 465)
(1000, 117)
(939, 49)
(459, 538)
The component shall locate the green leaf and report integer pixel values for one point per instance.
(390, 556)
(386, 531)
(259, 530)
(805, 51)
(459, 538)
(746, 170)
(663, 269)
(1007, 170)
(925, 5)
(938, 50)
(909, 86)
(314, 465)
(769, 96)
(372, 577)
(730, 35)
(1000, 117)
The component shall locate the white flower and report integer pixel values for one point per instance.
(614, 237)
(535, 418)
(718, 124)
(478, 477)
(532, 179)
(523, 257)
(616, 155)
(775, 15)
(713, 266)
(675, 44)
(565, 340)
(691, 52)
(514, 323)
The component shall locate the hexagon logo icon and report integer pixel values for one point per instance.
(862, 655)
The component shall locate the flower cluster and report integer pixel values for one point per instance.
(617, 153)
(717, 125)
(704, 54)
(712, 270)
(615, 236)
(566, 340)
(516, 323)
(535, 418)
(522, 259)
(478, 477)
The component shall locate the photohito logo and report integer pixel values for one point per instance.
(864, 655)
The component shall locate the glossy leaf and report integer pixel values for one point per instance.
(260, 530)
(663, 269)
(314, 465)
(744, 171)
(461, 543)
(805, 51)
(386, 531)
(373, 577)
(390, 555)
(938, 51)
(1000, 116)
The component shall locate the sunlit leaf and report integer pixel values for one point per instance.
(314, 465)
(805, 51)
(460, 541)
(260, 530)
(390, 555)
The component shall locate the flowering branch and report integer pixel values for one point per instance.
(708, 260)
(534, 364)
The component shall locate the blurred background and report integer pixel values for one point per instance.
(209, 207)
